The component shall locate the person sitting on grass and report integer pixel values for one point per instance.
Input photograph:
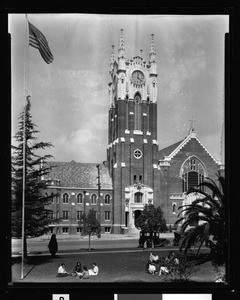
(94, 270)
(151, 268)
(62, 271)
(163, 270)
(155, 258)
(85, 273)
(77, 270)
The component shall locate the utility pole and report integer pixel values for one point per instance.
(99, 196)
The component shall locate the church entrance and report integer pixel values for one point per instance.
(137, 213)
(126, 218)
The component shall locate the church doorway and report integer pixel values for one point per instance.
(137, 213)
(126, 218)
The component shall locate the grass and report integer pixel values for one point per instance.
(113, 267)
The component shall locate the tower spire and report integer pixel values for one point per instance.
(121, 47)
(152, 53)
(112, 59)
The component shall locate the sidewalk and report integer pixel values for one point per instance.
(105, 237)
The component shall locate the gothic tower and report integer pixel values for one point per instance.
(132, 137)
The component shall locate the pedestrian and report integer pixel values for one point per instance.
(94, 271)
(145, 245)
(62, 271)
(53, 245)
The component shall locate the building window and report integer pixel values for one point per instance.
(95, 214)
(65, 198)
(79, 198)
(174, 206)
(79, 229)
(65, 215)
(138, 197)
(93, 199)
(52, 197)
(65, 230)
(107, 229)
(137, 153)
(107, 215)
(137, 113)
(107, 199)
(192, 174)
(57, 215)
(79, 215)
(51, 230)
(51, 215)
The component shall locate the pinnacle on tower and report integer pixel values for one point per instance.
(112, 59)
(121, 48)
(152, 53)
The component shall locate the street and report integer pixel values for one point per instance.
(41, 246)
(75, 245)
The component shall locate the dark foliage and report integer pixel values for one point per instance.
(208, 214)
(36, 214)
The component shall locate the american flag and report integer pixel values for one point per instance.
(37, 40)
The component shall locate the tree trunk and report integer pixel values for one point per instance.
(152, 241)
(89, 247)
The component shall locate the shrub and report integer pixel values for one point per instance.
(180, 271)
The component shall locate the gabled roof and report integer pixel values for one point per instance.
(79, 175)
(169, 152)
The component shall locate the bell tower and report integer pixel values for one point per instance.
(132, 152)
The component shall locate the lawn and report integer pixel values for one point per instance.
(113, 267)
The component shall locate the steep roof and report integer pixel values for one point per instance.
(168, 150)
(79, 175)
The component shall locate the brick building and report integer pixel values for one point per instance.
(136, 171)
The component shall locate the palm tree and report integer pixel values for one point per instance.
(208, 215)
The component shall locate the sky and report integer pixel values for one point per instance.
(69, 97)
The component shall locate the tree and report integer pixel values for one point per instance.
(208, 213)
(90, 225)
(36, 215)
(151, 220)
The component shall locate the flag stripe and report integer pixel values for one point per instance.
(38, 41)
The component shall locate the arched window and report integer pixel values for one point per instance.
(52, 197)
(193, 173)
(137, 113)
(107, 199)
(65, 198)
(79, 198)
(138, 197)
(174, 206)
(93, 199)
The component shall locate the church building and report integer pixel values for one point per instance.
(135, 172)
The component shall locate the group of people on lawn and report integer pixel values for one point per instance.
(80, 271)
(159, 266)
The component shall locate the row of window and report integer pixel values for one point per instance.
(80, 198)
(65, 215)
(65, 230)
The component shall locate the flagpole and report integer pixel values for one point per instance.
(26, 71)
